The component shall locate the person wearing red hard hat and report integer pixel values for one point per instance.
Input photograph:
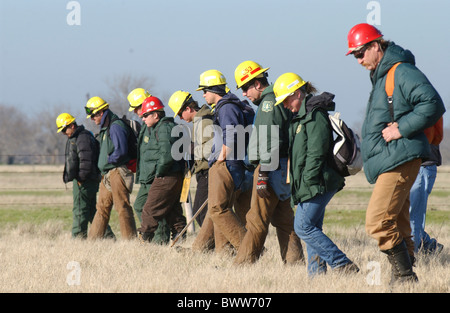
(361, 34)
(393, 141)
(165, 174)
(135, 99)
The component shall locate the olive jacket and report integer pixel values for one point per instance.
(310, 145)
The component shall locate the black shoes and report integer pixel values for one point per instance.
(401, 264)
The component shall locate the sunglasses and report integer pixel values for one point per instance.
(360, 53)
(145, 115)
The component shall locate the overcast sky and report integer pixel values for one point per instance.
(56, 51)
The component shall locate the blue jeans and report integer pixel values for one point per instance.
(418, 208)
(277, 180)
(238, 173)
(308, 226)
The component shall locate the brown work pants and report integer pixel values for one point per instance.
(220, 219)
(117, 194)
(163, 201)
(264, 211)
(209, 238)
(387, 216)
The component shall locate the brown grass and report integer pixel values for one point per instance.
(39, 258)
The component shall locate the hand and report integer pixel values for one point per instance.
(391, 132)
(263, 185)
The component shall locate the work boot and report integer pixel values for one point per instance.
(145, 237)
(348, 268)
(401, 264)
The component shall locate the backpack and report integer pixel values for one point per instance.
(133, 128)
(249, 114)
(346, 157)
(435, 132)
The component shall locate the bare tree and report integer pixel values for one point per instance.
(119, 88)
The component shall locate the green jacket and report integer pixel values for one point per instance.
(154, 152)
(269, 115)
(107, 147)
(310, 144)
(417, 105)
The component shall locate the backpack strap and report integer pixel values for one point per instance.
(389, 87)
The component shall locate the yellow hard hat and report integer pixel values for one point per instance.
(212, 78)
(63, 120)
(246, 71)
(178, 99)
(94, 105)
(136, 97)
(285, 85)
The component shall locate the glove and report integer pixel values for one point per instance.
(263, 185)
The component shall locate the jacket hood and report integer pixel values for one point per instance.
(77, 131)
(323, 101)
(231, 98)
(392, 55)
(204, 110)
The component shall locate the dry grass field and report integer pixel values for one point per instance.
(37, 253)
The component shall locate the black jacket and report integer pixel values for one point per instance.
(82, 151)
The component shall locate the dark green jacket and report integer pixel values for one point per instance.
(154, 152)
(417, 105)
(311, 139)
(269, 115)
(107, 147)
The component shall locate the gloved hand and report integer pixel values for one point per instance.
(263, 184)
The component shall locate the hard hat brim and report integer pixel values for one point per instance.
(256, 74)
(131, 108)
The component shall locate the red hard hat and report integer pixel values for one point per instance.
(360, 35)
(151, 104)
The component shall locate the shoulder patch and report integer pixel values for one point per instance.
(267, 106)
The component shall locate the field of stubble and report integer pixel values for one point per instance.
(37, 253)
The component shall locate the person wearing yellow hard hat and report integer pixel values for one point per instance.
(135, 99)
(228, 176)
(186, 108)
(268, 151)
(117, 179)
(313, 179)
(80, 167)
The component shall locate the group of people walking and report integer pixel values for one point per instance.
(253, 169)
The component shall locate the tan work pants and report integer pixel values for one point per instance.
(210, 237)
(387, 216)
(117, 193)
(264, 211)
(221, 198)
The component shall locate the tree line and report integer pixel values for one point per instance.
(32, 139)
